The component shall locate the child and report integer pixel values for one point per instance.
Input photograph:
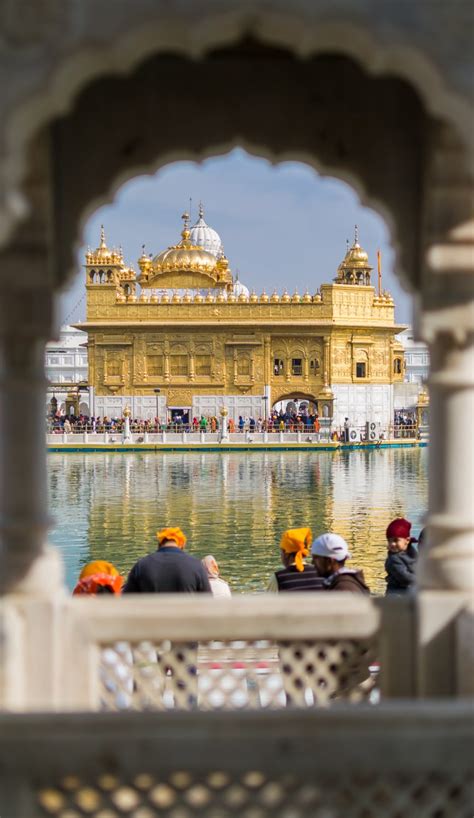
(401, 560)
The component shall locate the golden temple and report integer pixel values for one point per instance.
(184, 336)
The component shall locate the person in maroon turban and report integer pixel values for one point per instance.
(400, 564)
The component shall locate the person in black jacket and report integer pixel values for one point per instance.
(169, 570)
(400, 564)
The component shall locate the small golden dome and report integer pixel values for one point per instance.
(209, 298)
(307, 297)
(187, 297)
(220, 297)
(274, 297)
(232, 298)
(317, 298)
(296, 298)
(253, 297)
(198, 298)
(243, 297)
(102, 251)
(132, 299)
(286, 297)
(165, 299)
(176, 298)
(143, 298)
(264, 299)
(154, 299)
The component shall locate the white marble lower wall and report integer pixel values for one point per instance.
(144, 408)
(363, 402)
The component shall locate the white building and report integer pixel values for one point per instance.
(417, 364)
(66, 366)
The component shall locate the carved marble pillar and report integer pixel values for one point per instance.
(166, 362)
(326, 360)
(24, 330)
(448, 562)
(446, 323)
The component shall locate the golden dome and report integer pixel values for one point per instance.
(198, 298)
(209, 298)
(143, 298)
(165, 299)
(176, 298)
(307, 297)
(185, 257)
(154, 299)
(317, 297)
(264, 298)
(296, 298)
(243, 297)
(132, 299)
(187, 297)
(275, 297)
(355, 267)
(220, 298)
(232, 297)
(253, 297)
(286, 297)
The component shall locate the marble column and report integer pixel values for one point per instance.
(23, 479)
(448, 562)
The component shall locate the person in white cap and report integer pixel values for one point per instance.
(329, 553)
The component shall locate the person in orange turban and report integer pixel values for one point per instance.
(296, 575)
(296, 541)
(171, 535)
(99, 577)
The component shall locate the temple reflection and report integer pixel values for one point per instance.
(233, 505)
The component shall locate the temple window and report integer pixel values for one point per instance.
(179, 364)
(278, 366)
(397, 366)
(297, 366)
(113, 369)
(155, 365)
(361, 370)
(243, 366)
(202, 365)
(314, 365)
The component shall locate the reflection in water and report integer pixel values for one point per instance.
(232, 505)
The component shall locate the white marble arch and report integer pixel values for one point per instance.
(412, 91)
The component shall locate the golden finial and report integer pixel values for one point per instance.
(347, 246)
(102, 237)
(356, 234)
(185, 233)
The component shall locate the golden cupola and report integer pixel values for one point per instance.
(186, 265)
(355, 268)
(102, 255)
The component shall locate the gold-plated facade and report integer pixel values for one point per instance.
(191, 334)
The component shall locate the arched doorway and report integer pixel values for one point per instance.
(326, 110)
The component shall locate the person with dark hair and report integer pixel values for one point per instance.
(329, 553)
(402, 556)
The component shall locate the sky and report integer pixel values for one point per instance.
(282, 226)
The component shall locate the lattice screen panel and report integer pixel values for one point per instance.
(236, 675)
(254, 794)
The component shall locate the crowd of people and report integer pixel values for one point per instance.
(276, 422)
(170, 569)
